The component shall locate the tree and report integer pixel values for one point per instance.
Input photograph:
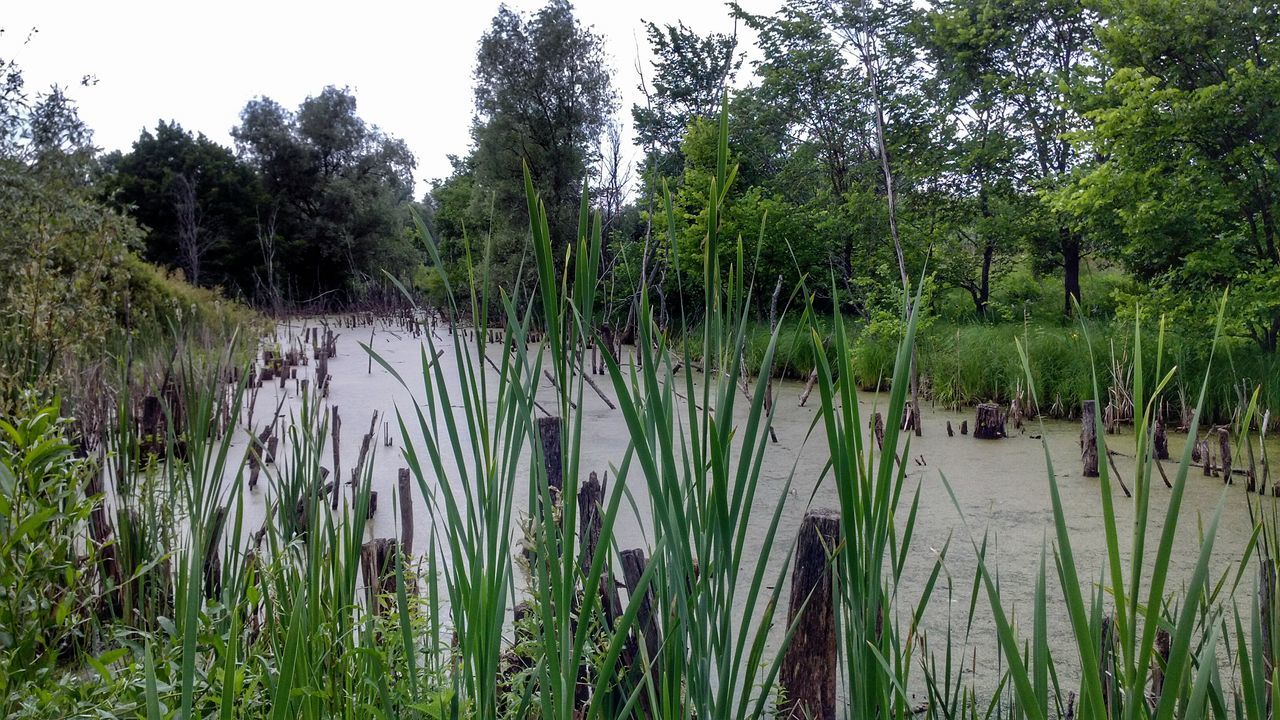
(338, 187)
(542, 99)
(1187, 177)
(983, 170)
(63, 254)
(196, 200)
(690, 74)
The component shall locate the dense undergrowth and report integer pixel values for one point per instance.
(966, 363)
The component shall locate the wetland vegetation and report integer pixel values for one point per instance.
(929, 372)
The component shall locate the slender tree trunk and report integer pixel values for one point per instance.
(1070, 270)
(867, 50)
(984, 285)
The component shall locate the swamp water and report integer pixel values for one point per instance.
(1000, 487)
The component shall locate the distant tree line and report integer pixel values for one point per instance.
(1050, 137)
(1041, 136)
(312, 202)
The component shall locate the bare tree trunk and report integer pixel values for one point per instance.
(267, 244)
(865, 42)
(191, 243)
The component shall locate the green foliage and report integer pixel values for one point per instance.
(1186, 181)
(543, 96)
(212, 235)
(44, 607)
(337, 196)
(62, 257)
(690, 74)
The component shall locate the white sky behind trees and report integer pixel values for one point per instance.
(409, 64)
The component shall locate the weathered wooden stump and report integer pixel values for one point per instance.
(989, 424)
(809, 666)
(378, 563)
(964, 427)
(1160, 442)
(1224, 451)
(549, 432)
(877, 426)
(950, 432)
(590, 525)
(404, 490)
(1159, 663)
(1089, 437)
(633, 567)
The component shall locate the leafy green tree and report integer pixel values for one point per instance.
(62, 252)
(338, 188)
(690, 74)
(197, 201)
(982, 164)
(1187, 180)
(543, 97)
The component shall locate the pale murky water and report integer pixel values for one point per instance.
(1001, 487)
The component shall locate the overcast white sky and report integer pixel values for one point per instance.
(409, 63)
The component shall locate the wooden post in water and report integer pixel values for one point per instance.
(1224, 450)
(378, 563)
(989, 424)
(877, 426)
(950, 432)
(405, 490)
(633, 566)
(1159, 663)
(809, 666)
(1089, 437)
(1161, 442)
(549, 431)
(337, 467)
(964, 427)
(590, 525)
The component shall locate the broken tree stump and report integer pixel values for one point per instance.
(964, 427)
(337, 465)
(378, 563)
(989, 424)
(549, 431)
(809, 665)
(1160, 442)
(590, 525)
(1089, 437)
(633, 567)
